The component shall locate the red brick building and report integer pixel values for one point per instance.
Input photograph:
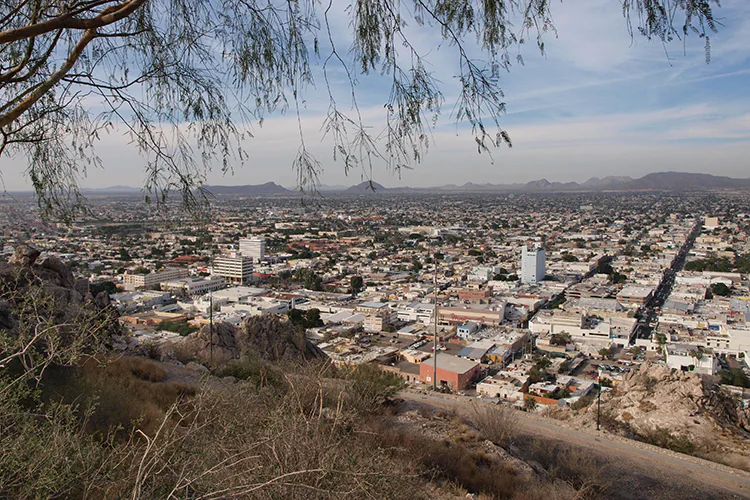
(453, 372)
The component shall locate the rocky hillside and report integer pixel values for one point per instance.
(655, 396)
(678, 410)
(44, 310)
(266, 337)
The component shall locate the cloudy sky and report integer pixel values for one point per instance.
(597, 104)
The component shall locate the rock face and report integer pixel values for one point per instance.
(24, 255)
(655, 396)
(264, 336)
(59, 301)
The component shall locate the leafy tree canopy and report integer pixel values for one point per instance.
(185, 78)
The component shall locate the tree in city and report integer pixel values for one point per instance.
(185, 79)
(356, 284)
(721, 290)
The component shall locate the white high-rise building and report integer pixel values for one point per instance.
(236, 269)
(532, 265)
(255, 248)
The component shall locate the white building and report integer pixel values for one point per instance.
(236, 268)
(255, 248)
(194, 285)
(150, 281)
(683, 356)
(532, 265)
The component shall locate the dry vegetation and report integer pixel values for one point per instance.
(120, 427)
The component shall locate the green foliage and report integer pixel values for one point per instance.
(711, 263)
(304, 320)
(181, 327)
(721, 290)
(309, 279)
(356, 284)
(734, 377)
(567, 257)
(103, 286)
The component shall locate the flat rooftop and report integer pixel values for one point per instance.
(452, 363)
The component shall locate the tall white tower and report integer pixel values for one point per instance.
(532, 265)
(255, 248)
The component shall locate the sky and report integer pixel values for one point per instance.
(597, 103)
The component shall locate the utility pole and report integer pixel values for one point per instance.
(599, 404)
(435, 345)
(211, 325)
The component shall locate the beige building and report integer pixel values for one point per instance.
(152, 280)
(236, 269)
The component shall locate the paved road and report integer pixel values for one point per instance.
(670, 467)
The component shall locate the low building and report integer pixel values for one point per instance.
(452, 372)
(152, 280)
(194, 285)
(691, 358)
(503, 386)
(637, 295)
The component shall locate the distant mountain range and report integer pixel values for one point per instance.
(267, 189)
(659, 181)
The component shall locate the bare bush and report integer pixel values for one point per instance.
(499, 424)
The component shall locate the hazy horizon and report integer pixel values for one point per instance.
(598, 104)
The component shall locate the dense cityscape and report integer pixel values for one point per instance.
(579, 277)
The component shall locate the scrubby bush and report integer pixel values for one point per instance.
(369, 387)
(497, 423)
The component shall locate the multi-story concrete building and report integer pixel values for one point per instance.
(152, 280)
(532, 265)
(236, 268)
(254, 248)
(194, 285)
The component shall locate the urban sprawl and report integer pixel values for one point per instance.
(517, 297)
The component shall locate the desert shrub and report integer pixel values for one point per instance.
(253, 370)
(498, 424)
(182, 353)
(369, 388)
(116, 395)
(646, 406)
(583, 402)
(664, 438)
(574, 465)
(649, 383)
(609, 421)
(233, 442)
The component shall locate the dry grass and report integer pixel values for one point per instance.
(497, 423)
(120, 394)
(575, 466)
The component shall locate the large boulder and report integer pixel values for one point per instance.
(24, 255)
(266, 337)
(276, 340)
(56, 265)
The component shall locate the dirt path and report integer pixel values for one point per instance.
(639, 470)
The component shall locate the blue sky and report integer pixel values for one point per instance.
(597, 104)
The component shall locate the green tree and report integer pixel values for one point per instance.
(721, 290)
(356, 284)
(73, 70)
(312, 318)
